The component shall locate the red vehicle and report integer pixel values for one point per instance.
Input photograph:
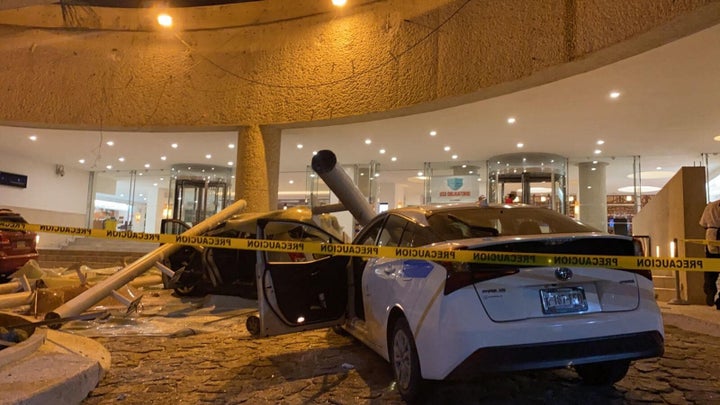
(16, 247)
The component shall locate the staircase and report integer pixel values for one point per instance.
(94, 253)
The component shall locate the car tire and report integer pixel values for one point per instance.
(605, 373)
(405, 362)
(252, 324)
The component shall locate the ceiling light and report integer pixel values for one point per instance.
(33, 138)
(394, 159)
(155, 184)
(231, 145)
(614, 94)
(230, 163)
(464, 166)
(81, 161)
(597, 151)
(642, 189)
(377, 174)
(121, 159)
(382, 151)
(174, 145)
(368, 142)
(110, 143)
(314, 152)
(600, 142)
(147, 165)
(339, 3)
(433, 133)
(164, 20)
(291, 181)
(109, 167)
(520, 144)
(208, 156)
(163, 157)
(299, 146)
(420, 173)
(470, 172)
(454, 156)
(447, 148)
(511, 120)
(717, 138)
(658, 168)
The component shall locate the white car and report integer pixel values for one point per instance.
(435, 320)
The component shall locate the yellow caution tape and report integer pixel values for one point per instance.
(459, 255)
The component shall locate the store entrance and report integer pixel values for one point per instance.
(197, 199)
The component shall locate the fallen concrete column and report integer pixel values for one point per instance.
(106, 287)
(325, 165)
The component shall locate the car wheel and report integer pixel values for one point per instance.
(340, 331)
(405, 362)
(605, 373)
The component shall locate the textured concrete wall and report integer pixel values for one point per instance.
(278, 62)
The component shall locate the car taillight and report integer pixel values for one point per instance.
(640, 252)
(4, 240)
(460, 275)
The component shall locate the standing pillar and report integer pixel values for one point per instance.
(258, 167)
(593, 194)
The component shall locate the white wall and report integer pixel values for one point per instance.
(49, 198)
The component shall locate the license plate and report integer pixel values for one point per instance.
(563, 300)
(20, 244)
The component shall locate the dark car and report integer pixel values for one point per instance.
(16, 247)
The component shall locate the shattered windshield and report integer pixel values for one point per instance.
(499, 221)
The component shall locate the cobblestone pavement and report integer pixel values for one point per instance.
(227, 366)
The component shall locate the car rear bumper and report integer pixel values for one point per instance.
(8, 264)
(560, 354)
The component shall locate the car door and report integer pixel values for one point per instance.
(294, 295)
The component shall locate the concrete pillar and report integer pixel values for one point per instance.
(258, 167)
(593, 194)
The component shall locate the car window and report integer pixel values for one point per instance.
(392, 231)
(293, 231)
(368, 235)
(416, 235)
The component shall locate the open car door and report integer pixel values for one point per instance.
(298, 291)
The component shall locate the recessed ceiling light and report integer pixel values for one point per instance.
(597, 151)
(147, 165)
(155, 184)
(208, 156)
(230, 163)
(339, 3)
(33, 138)
(454, 156)
(121, 159)
(511, 120)
(470, 172)
(81, 161)
(164, 20)
(433, 133)
(299, 146)
(394, 159)
(174, 145)
(520, 144)
(464, 166)
(110, 143)
(658, 168)
(108, 167)
(420, 173)
(377, 174)
(614, 94)
(447, 148)
(231, 145)
(163, 157)
(600, 142)
(314, 152)
(382, 151)
(368, 141)
(717, 138)
(291, 181)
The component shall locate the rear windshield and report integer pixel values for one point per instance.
(491, 221)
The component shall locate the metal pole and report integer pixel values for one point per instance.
(678, 299)
(101, 290)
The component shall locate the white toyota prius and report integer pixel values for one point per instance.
(435, 320)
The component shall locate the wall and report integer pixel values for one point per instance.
(49, 198)
(674, 212)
